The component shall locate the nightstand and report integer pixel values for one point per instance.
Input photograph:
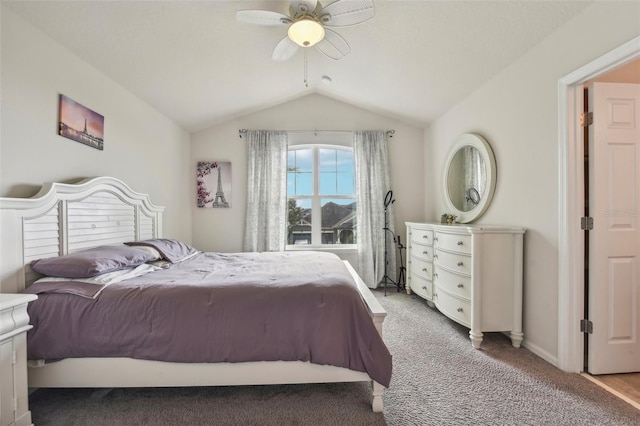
(14, 323)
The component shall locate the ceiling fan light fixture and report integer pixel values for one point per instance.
(306, 32)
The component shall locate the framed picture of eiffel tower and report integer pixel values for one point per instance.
(79, 123)
(213, 184)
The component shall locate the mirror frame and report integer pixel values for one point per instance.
(483, 147)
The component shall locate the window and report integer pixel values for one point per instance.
(321, 196)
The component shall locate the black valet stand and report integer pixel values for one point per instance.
(402, 284)
(388, 200)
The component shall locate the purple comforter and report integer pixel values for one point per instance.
(219, 307)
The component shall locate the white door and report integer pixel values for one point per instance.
(614, 242)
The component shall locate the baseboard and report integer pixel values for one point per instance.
(537, 350)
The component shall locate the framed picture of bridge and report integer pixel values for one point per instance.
(213, 184)
(80, 124)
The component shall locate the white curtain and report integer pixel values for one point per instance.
(266, 190)
(373, 182)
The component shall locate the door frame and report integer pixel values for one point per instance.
(571, 202)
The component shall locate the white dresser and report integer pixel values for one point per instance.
(14, 323)
(470, 273)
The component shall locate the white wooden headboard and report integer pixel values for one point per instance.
(63, 218)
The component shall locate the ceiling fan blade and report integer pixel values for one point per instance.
(262, 17)
(284, 49)
(333, 45)
(343, 13)
(302, 7)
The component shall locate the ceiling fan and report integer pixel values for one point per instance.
(308, 23)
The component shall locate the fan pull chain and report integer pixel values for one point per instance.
(306, 83)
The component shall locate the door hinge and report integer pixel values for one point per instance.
(586, 223)
(586, 326)
(586, 119)
(14, 357)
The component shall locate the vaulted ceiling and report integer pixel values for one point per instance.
(196, 64)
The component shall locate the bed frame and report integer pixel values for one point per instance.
(63, 218)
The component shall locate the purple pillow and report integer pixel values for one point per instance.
(171, 250)
(92, 262)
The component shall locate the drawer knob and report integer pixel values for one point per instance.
(424, 269)
(460, 243)
(425, 236)
(424, 288)
(460, 263)
(460, 285)
(426, 253)
(435, 275)
(435, 256)
(459, 309)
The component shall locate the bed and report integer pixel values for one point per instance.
(64, 220)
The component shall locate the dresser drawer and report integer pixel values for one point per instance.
(454, 307)
(421, 267)
(420, 251)
(421, 286)
(454, 242)
(455, 262)
(457, 284)
(422, 236)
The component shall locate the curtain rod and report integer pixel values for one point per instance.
(389, 133)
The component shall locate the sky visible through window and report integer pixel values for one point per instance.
(336, 169)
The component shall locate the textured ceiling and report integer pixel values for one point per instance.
(197, 65)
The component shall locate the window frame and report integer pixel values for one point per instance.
(316, 198)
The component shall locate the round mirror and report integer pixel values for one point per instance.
(469, 177)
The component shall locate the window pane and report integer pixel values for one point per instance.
(304, 184)
(327, 160)
(328, 183)
(299, 171)
(346, 183)
(291, 160)
(303, 160)
(299, 218)
(291, 183)
(299, 183)
(338, 221)
(345, 161)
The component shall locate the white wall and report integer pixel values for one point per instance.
(143, 148)
(223, 229)
(517, 112)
